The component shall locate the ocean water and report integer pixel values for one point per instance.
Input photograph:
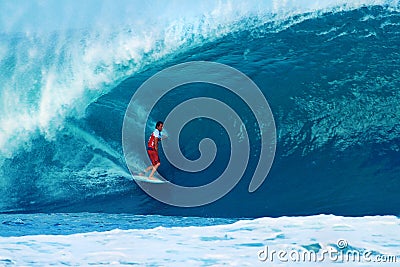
(329, 71)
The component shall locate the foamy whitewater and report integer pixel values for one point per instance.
(330, 71)
(180, 241)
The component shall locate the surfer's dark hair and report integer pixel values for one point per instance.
(159, 123)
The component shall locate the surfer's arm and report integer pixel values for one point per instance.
(156, 144)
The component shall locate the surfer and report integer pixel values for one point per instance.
(152, 149)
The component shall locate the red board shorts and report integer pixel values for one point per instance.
(153, 155)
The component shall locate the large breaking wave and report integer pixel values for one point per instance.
(329, 71)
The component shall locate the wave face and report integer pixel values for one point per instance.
(330, 74)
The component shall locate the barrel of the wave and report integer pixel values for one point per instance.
(202, 107)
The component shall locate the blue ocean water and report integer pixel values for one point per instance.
(330, 72)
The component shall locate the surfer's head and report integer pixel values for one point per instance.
(159, 125)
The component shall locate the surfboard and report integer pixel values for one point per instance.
(147, 180)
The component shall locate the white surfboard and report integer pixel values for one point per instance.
(147, 180)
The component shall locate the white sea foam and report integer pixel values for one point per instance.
(237, 244)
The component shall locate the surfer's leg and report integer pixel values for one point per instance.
(148, 168)
(154, 160)
(143, 173)
(155, 167)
